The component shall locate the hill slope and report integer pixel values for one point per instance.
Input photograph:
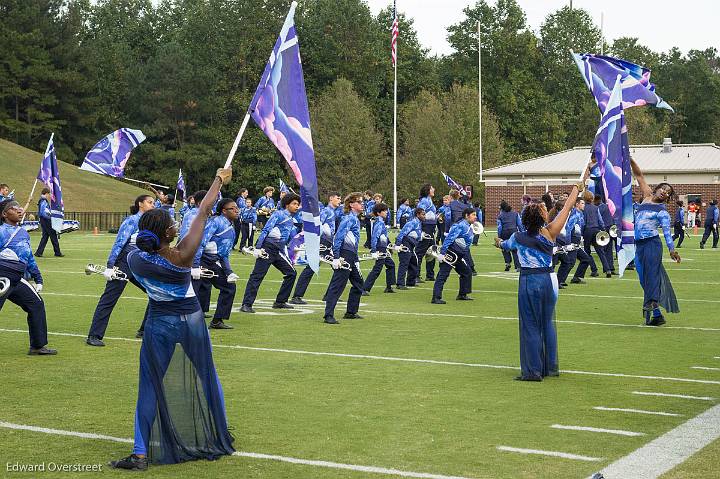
(82, 190)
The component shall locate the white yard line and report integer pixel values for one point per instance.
(397, 359)
(703, 368)
(636, 411)
(669, 450)
(254, 455)
(678, 396)
(618, 432)
(563, 455)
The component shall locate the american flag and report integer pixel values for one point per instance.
(395, 34)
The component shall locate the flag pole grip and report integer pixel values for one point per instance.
(240, 134)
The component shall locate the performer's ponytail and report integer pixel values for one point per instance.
(153, 225)
(135, 208)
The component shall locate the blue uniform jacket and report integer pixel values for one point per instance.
(347, 236)
(412, 231)
(427, 205)
(379, 239)
(16, 253)
(460, 234)
(126, 234)
(217, 242)
(278, 230)
(403, 210)
(327, 224)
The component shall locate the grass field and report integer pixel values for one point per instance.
(82, 190)
(363, 402)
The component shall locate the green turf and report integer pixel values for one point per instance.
(434, 418)
(82, 190)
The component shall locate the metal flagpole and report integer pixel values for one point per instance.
(395, 205)
(480, 103)
(234, 148)
(140, 181)
(602, 33)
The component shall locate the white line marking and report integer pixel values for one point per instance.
(716, 357)
(679, 396)
(619, 432)
(705, 369)
(254, 455)
(667, 451)
(636, 411)
(564, 455)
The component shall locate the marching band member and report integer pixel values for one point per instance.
(593, 224)
(404, 212)
(457, 208)
(679, 224)
(480, 219)
(46, 226)
(711, 225)
(572, 234)
(444, 220)
(428, 227)
(456, 242)
(169, 205)
(248, 218)
(651, 214)
(187, 206)
(378, 245)
(538, 288)
(368, 205)
(608, 220)
(327, 231)
(16, 261)
(4, 192)
(264, 205)
(187, 393)
(508, 222)
(159, 197)
(240, 202)
(345, 246)
(190, 215)
(275, 235)
(409, 237)
(338, 213)
(214, 254)
(124, 244)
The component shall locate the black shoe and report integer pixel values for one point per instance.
(474, 273)
(419, 281)
(389, 290)
(563, 284)
(132, 462)
(44, 351)
(614, 273)
(608, 274)
(594, 274)
(714, 247)
(428, 278)
(60, 255)
(438, 301)
(365, 293)
(657, 321)
(411, 285)
(560, 286)
(94, 341)
(139, 333)
(207, 316)
(702, 246)
(38, 255)
(219, 324)
(298, 300)
(352, 316)
(402, 288)
(331, 320)
(277, 305)
(528, 378)
(246, 309)
(577, 281)
(463, 297)
(507, 267)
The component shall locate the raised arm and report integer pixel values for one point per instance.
(189, 245)
(637, 172)
(557, 225)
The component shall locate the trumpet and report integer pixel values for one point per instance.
(368, 257)
(602, 238)
(250, 250)
(99, 269)
(399, 248)
(4, 286)
(566, 249)
(477, 228)
(613, 231)
(207, 273)
(343, 262)
(449, 257)
(265, 211)
(441, 218)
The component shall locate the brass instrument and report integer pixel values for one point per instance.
(449, 257)
(399, 248)
(343, 262)
(613, 231)
(369, 256)
(566, 249)
(427, 236)
(265, 211)
(99, 269)
(602, 238)
(207, 273)
(441, 218)
(251, 251)
(477, 228)
(4, 286)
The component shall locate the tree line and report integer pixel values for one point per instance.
(184, 71)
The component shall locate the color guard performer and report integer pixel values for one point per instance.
(248, 219)
(190, 215)
(46, 225)
(679, 224)
(508, 222)
(378, 248)
(404, 212)
(711, 225)
(453, 252)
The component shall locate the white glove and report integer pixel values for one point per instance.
(336, 263)
(233, 278)
(441, 257)
(375, 255)
(257, 252)
(109, 274)
(38, 287)
(195, 273)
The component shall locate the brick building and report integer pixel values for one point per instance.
(693, 170)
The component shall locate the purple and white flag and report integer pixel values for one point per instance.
(49, 175)
(280, 109)
(110, 155)
(180, 184)
(454, 184)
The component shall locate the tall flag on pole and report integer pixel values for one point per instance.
(395, 35)
(454, 184)
(280, 109)
(180, 184)
(110, 155)
(285, 188)
(49, 175)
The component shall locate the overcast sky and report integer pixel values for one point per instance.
(659, 24)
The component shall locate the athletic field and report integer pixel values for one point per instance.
(411, 390)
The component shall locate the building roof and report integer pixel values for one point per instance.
(697, 158)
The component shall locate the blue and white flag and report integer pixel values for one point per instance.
(49, 175)
(110, 155)
(454, 184)
(283, 187)
(180, 184)
(280, 109)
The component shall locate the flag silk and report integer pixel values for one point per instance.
(612, 152)
(180, 184)
(283, 187)
(49, 175)
(454, 184)
(395, 35)
(280, 109)
(600, 73)
(110, 155)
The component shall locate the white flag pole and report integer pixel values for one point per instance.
(395, 205)
(240, 134)
(480, 173)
